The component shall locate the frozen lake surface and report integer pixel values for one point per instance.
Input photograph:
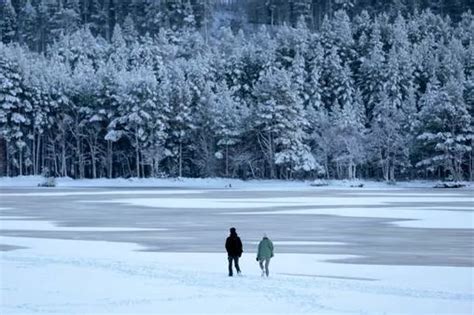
(158, 250)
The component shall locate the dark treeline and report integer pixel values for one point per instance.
(275, 12)
(39, 23)
(379, 96)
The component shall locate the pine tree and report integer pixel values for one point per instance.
(321, 140)
(119, 56)
(371, 75)
(469, 100)
(313, 86)
(130, 34)
(153, 21)
(362, 27)
(444, 129)
(345, 4)
(110, 101)
(37, 84)
(70, 16)
(139, 10)
(180, 121)
(349, 136)
(80, 45)
(337, 82)
(96, 18)
(299, 77)
(54, 26)
(178, 14)
(28, 27)
(391, 119)
(301, 9)
(386, 142)
(280, 123)
(137, 102)
(8, 22)
(82, 115)
(15, 110)
(156, 151)
(204, 11)
(337, 34)
(228, 122)
(43, 32)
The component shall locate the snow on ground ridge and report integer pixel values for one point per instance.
(150, 281)
(215, 183)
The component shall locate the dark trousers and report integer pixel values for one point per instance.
(236, 263)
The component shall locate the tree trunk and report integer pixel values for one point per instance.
(265, 142)
(326, 165)
(137, 154)
(7, 154)
(109, 158)
(351, 170)
(271, 159)
(251, 169)
(106, 8)
(227, 160)
(20, 161)
(330, 9)
(80, 156)
(43, 154)
(63, 157)
(129, 166)
(34, 153)
(392, 172)
(153, 167)
(54, 159)
(94, 166)
(38, 154)
(471, 162)
(3, 157)
(386, 170)
(180, 167)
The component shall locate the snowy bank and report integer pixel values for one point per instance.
(211, 183)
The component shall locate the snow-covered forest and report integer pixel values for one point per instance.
(344, 89)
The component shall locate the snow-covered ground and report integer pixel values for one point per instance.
(209, 183)
(83, 277)
(73, 250)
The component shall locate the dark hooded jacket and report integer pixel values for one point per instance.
(233, 245)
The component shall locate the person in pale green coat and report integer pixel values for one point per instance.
(265, 253)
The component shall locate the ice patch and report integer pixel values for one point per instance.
(401, 193)
(13, 217)
(99, 193)
(32, 225)
(303, 243)
(420, 218)
(242, 203)
(400, 208)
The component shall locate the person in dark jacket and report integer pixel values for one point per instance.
(233, 245)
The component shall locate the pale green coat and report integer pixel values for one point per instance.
(265, 249)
